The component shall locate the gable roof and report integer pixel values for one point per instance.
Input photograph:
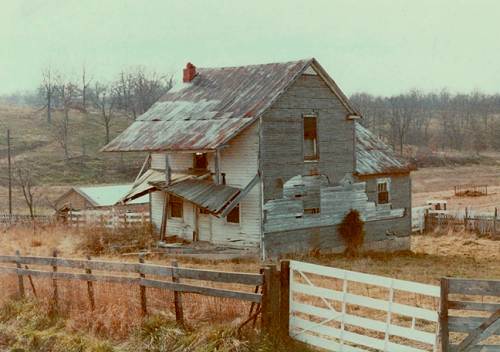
(214, 107)
(375, 157)
(106, 195)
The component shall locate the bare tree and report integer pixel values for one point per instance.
(85, 87)
(46, 89)
(25, 179)
(67, 93)
(105, 100)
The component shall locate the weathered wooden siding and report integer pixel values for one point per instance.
(326, 239)
(239, 161)
(282, 135)
(400, 197)
(74, 200)
(157, 201)
(177, 161)
(387, 226)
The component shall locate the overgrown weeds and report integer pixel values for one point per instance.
(26, 326)
(101, 240)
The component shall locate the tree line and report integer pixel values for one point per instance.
(130, 94)
(439, 121)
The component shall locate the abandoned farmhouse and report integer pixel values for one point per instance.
(267, 156)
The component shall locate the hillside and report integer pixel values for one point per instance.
(34, 145)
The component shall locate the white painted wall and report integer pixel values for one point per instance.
(239, 160)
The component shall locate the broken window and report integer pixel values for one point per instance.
(310, 138)
(383, 191)
(234, 215)
(174, 207)
(311, 211)
(200, 161)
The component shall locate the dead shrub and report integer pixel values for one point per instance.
(352, 232)
(101, 240)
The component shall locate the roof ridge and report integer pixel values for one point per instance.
(309, 59)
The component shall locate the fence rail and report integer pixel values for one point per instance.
(471, 190)
(7, 219)
(172, 274)
(107, 218)
(468, 314)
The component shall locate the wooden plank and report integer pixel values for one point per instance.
(326, 344)
(369, 279)
(209, 291)
(142, 291)
(90, 289)
(486, 329)
(352, 337)
(149, 269)
(476, 306)
(474, 287)
(179, 314)
(20, 277)
(285, 298)
(478, 348)
(443, 316)
(464, 324)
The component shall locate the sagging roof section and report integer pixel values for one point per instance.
(374, 157)
(214, 107)
(206, 194)
(107, 195)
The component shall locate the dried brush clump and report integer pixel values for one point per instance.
(101, 240)
(352, 232)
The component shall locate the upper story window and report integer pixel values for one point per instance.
(383, 188)
(200, 161)
(310, 137)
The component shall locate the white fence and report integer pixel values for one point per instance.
(107, 218)
(341, 310)
(418, 218)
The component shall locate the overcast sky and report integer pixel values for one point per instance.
(378, 46)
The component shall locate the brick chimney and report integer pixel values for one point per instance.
(189, 73)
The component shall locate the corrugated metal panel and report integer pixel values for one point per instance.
(205, 194)
(374, 157)
(210, 110)
(108, 195)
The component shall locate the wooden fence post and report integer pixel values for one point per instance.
(285, 298)
(270, 299)
(144, 305)
(443, 315)
(495, 216)
(179, 313)
(20, 276)
(90, 287)
(30, 279)
(55, 297)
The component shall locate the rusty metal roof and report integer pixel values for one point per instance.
(206, 194)
(213, 108)
(374, 157)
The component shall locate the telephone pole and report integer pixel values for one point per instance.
(10, 172)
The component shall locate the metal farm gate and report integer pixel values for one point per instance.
(341, 310)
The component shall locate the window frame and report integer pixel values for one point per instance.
(195, 156)
(239, 216)
(315, 156)
(384, 183)
(175, 200)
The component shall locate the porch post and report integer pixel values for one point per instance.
(217, 166)
(168, 176)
